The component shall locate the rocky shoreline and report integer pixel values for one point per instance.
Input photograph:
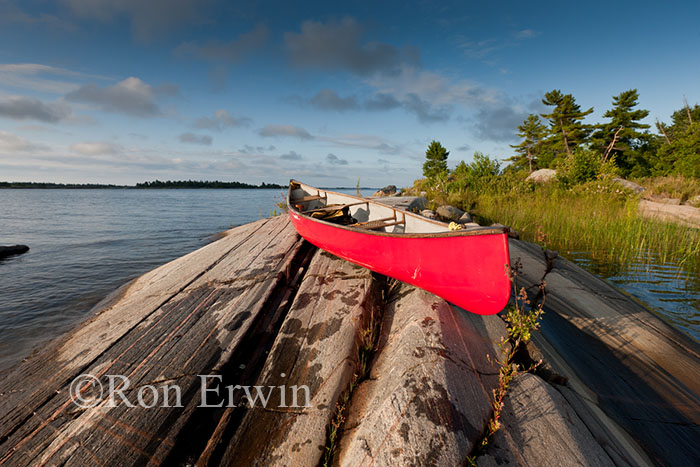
(395, 375)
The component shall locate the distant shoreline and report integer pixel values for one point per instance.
(157, 185)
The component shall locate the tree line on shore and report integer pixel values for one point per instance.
(144, 185)
(203, 184)
(549, 139)
(622, 145)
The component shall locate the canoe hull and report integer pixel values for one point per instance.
(468, 271)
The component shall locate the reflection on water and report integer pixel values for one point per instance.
(668, 289)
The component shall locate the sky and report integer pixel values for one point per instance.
(99, 91)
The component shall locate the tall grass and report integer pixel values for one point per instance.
(596, 217)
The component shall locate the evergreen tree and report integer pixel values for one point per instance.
(566, 128)
(621, 137)
(679, 151)
(435, 160)
(532, 131)
(681, 121)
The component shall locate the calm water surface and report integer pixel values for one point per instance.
(667, 288)
(86, 243)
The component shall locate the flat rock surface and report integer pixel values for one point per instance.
(262, 308)
(193, 316)
(633, 376)
(427, 398)
(683, 214)
(539, 428)
(317, 347)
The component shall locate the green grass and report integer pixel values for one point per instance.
(596, 217)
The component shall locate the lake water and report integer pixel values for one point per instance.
(665, 287)
(86, 243)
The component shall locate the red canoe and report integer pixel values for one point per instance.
(465, 267)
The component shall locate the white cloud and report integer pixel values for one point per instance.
(96, 148)
(130, 96)
(285, 130)
(362, 141)
(12, 144)
(339, 46)
(221, 120)
(42, 78)
(28, 108)
(291, 156)
(527, 34)
(335, 160)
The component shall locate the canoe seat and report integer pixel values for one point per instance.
(332, 207)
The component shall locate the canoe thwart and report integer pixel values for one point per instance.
(333, 207)
(309, 198)
(373, 222)
(374, 225)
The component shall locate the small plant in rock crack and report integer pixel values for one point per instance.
(522, 320)
(334, 430)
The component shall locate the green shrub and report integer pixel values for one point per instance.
(583, 166)
(477, 175)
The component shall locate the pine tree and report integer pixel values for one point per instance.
(566, 128)
(621, 138)
(532, 131)
(681, 122)
(680, 150)
(435, 160)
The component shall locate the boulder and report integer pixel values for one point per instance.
(686, 215)
(465, 219)
(388, 190)
(542, 176)
(629, 185)
(6, 251)
(407, 203)
(449, 213)
(428, 213)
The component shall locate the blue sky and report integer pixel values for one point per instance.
(123, 92)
